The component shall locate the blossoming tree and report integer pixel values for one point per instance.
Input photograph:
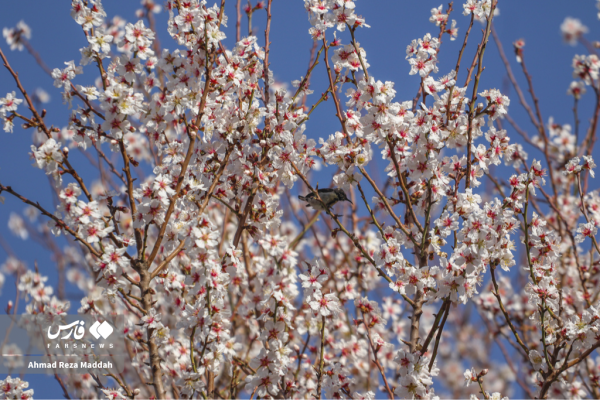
(232, 289)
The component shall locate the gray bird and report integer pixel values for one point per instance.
(328, 196)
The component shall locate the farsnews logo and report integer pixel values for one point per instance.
(101, 329)
(79, 343)
(76, 326)
(77, 329)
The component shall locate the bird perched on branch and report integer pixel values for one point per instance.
(328, 198)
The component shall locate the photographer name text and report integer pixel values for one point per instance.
(67, 365)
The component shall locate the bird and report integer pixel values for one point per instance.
(328, 198)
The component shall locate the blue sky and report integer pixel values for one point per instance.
(394, 23)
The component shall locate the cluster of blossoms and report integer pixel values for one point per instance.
(573, 166)
(14, 35)
(8, 106)
(187, 233)
(14, 388)
(332, 13)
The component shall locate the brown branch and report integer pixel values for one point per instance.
(299, 237)
(409, 205)
(472, 104)
(86, 101)
(113, 169)
(157, 377)
(438, 317)
(242, 221)
(513, 80)
(541, 127)
(238, 25)
(312, 58)
(438, 338)
(266, 62)
(556, 373)
(62, 385)
(168, 259)
(415, 320)
(521, 132)
(464, 45)
(332, 87)
(508, 359)
(591, 135)
(36, 55)
(132, 203)
(39, 121)
(186, 162)
(321, 360)
(59, 222)
(156, 42)
(505, 313)
(389, 208)
(305, 82)
(371, 212)
(376, 359)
